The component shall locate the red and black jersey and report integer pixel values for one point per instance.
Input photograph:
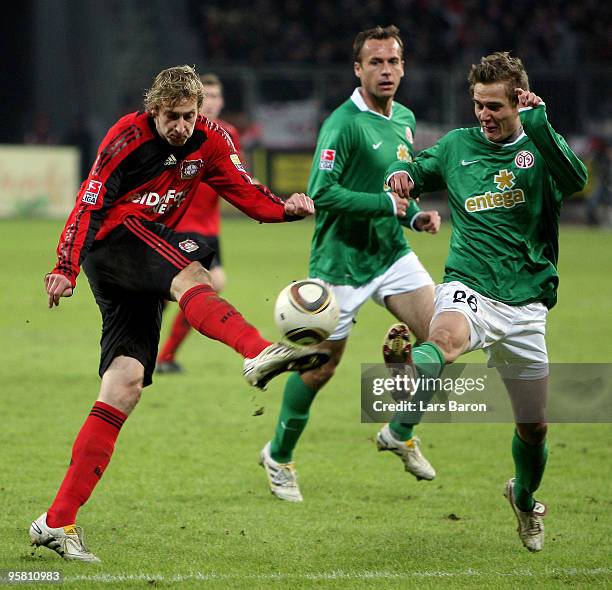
(138, 173)
(204, 213)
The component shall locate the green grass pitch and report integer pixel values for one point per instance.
(184, 503)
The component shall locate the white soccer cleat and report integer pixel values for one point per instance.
(278, 358)
(408, 451)
(282, 477)
(530, 524)
(67, 541)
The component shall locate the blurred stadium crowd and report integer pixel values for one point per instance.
(553, 33)
(291, 62)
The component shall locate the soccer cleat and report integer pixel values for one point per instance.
(278, 358)
(67, 541)
(530, 524)
(167, 367)
(397, 353)
(397, 349)
(408, 451)
(282, 477)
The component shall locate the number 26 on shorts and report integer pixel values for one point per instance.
(461, 297)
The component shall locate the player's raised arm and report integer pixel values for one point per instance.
(568, 172)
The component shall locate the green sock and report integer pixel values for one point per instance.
(529, 463)
(293, 417)
(429, 362)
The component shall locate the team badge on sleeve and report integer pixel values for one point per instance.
(524, 159)
(328, 157)
(93, 192)
(409, 135)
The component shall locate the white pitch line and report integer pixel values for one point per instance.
(334, 575)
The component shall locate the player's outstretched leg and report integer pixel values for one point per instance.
(216, 318)
(530, 524)
(67, 541)
(278, 358)
(397, 436)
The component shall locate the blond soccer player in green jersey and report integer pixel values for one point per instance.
(358, 246)
(506, 182)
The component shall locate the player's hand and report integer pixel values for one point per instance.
(400, 204)
(57, 286)
(299, 205)
(428, 221)
(527, 98)
(401, 184)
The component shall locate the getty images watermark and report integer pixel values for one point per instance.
(477, 393)
(405, 389)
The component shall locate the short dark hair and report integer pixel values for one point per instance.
(500, 67)
(378, 32)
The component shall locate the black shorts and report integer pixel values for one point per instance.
(130, 273)
(213, 243)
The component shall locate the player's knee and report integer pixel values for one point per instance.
(533, 434)
(122, 384)
(131, 392)
(217, 276)
(190, 276)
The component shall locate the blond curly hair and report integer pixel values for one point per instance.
(172, 86)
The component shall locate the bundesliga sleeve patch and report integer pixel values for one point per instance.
(93, 192)
(236, 161)
(328, 157)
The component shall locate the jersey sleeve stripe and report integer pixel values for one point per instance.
(116, 146)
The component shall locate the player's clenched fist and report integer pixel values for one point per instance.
(401, 204)
(299, 205)
(428, 221)
(401, 184)
(527, 98)
(57, 286)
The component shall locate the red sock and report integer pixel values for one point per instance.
(91, 454)
(180, 329)
(214, 317)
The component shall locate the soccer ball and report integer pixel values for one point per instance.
(306, 312)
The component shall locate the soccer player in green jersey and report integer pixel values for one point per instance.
(506, 182)
(358, 246)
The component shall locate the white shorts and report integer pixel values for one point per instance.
(512, 336)
(405, 275)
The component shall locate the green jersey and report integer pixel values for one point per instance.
(357, 236)
(505, 201)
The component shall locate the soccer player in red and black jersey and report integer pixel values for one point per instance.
(203, 217)
(122, 230)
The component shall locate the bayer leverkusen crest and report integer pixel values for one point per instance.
(190, 168)
(188, 245)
